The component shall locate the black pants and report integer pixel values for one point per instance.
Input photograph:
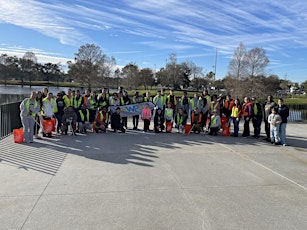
(125, 121)
(159, 128)
(146, 124)
(135, 120)
(257, 126)
(267, 129)
(246, 131)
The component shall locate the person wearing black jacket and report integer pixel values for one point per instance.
(283, 111)
(116, 123)
(257, 117)
(159, 121)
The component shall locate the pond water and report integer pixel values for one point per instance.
(14, 93)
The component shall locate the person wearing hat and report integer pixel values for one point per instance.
(116, 123)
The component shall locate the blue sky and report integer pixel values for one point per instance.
(146, 32)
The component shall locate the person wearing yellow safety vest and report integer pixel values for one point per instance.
(236, 114)
(196, 118)
(115, 100)
(67, 98)
(125, 100)
(257, 117)
(194, 103)
(92, 106)
(171, 98)
(29, 108)
(49, 109)
(215, 123)
(147, 98)
(159, 101)
(181, 120)
(77, 101)
(83, 117)
(214, 106)
(104, 93)
(49, 106)
(168, 114)
(101, 120)
(135, 119)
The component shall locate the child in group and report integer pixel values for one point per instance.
(146, 117)
(274, 120)
(159, 121)
(181, 120)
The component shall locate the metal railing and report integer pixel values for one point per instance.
(9, 118)
(297, 113)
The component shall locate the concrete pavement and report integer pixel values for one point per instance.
(146, 181)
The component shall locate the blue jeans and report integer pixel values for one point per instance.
(282, 133)
(235, 126)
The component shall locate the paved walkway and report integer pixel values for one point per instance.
(148, 181)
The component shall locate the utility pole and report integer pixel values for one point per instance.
(215, 65)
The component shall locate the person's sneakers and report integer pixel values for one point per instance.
(284, 145)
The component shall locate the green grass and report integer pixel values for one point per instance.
(298, 100)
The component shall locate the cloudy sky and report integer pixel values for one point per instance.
(146, 32)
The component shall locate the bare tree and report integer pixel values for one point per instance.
(237, 69)
(256, 61)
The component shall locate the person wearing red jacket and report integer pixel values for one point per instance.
(247, 114)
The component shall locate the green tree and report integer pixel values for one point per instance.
(90, 65)
(146, 75)
(131, 74)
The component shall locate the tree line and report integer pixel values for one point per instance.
(92, 68)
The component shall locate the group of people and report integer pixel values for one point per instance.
(91, 111)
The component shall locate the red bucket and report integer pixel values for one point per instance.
(18, 135)
(169, 127)
(226, 131)
(48, 126)
(224, 121)
(187, 128)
